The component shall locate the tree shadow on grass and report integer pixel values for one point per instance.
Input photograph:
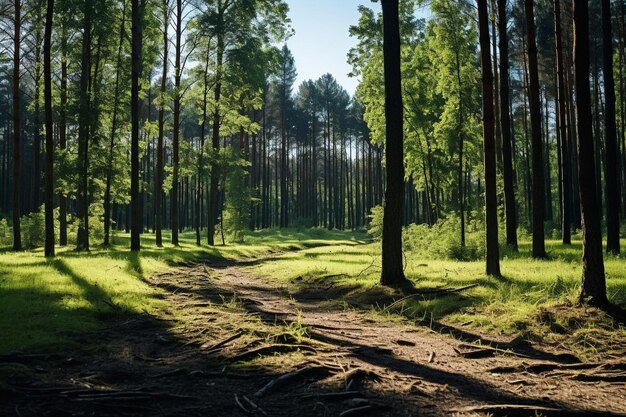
(137, 365)
(92, 293)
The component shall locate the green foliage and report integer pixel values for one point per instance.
(238, 197)
(441, 241)
(33, 229)
(375, 226)
(440, 82)
(6, 235)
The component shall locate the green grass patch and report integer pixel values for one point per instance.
(46, 303)
(510, 305)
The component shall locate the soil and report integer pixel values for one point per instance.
(235, 344)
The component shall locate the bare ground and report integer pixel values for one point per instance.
(238, 345)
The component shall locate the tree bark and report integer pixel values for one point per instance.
(284, 194)
(47, 73)
(201, 153)
(566, 187)
(538, 192)
(158, 192)
(82, 197)
(593, 277)
(461, 121)
(116, 101)
(17, 236)
(392, 262)
(496, 82)
(489, 145)
(548, 177)
(174, 210)
(505, 121)
(35, 201)
(215, 171)
(63, 135)
(612, 154)
(136, 31)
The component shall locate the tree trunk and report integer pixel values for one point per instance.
(284, 195)
(215, 171)
(538, 192)
(17, 236)
(47, 73)
(116, 102)
(566, 187)
(174, 210)
(461, 143)
(593, 277)
(505, 121)
(36, 176)
(549, 215)
(135, 229)
(82, 197)
(496, 84)
(158, 192)
(63, 136)
(489, 145)
(612, 154)
(201, 153)
(392, 269)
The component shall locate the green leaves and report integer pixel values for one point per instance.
(440, 81)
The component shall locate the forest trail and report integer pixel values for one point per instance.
(237, 344)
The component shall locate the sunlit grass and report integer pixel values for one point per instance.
(509, 305)
(44, 303)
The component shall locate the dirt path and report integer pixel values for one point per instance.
(237, 345)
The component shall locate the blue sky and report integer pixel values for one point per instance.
(322, 41)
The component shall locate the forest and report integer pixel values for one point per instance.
(187, 227)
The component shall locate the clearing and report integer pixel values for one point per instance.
(231, 340)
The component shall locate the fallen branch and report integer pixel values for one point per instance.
(402, 342)
(475, 353)
(302, 373)
(443, 291)
(241, 406)
(254, 406)
(334, 396)
(491, 350)
(225, 341)
(270, 350)
(368, 267)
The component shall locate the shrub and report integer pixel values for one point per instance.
(6, 235)
(443, 240)
(375, 226)
(33, 229)
(96, 223)
(239, 199)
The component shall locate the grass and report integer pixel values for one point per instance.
(534, 299)
(46, 303)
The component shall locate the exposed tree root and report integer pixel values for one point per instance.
(303, 373)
